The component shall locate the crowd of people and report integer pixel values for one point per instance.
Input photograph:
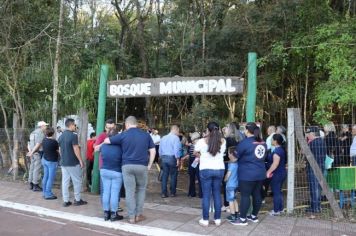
(221, 161)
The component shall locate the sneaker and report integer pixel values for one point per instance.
(79, 203)
(217, 222)
(50, 198)
(119, 209)
(140, 218)
(36, 188)
(203, 222)
(67, 204)
(231, 218)
(254, 219)
(239, 221)
(273, 213)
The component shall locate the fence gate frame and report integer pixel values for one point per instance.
(295, 131)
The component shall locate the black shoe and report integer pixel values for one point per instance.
(106, 215)
(36, 188)
(114, 216)
(173, 195)
(164, 196)
(51, 198)
(31, 186)
(67, 204)
(79, 203)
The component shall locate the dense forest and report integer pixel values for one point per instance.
(306, 57)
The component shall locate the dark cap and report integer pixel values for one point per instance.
(312, 129)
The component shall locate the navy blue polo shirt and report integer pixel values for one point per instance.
(251, 159)
(281, 168)
(135, 144)
(112, 157)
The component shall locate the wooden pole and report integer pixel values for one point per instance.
(83, 134)
(291, 161)
(314, 165)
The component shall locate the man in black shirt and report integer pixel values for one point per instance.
(72, 163)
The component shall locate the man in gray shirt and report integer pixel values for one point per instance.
(35, 153)
(71, 163)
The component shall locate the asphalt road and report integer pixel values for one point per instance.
(16, 223)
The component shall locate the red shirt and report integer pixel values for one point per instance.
(90, 149)
(99, 140)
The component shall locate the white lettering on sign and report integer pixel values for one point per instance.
(198, 86)
(130, 89)
(140, 87)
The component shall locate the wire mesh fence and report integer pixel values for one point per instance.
(14, 147)
(330, 146)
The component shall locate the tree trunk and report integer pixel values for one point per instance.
(56, 65)
(15, 150)
(8, 160)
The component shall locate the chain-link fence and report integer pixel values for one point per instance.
(14, 147)
(330, 195)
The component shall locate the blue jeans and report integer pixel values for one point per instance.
(112, 181)
(315, 190)
(49, 174)
(276, 185)
(169, 167)
(211, 181)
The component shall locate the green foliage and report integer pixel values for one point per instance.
(306, 51)
(198, 118)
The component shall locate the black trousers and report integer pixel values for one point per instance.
(247, 189)
(90, 165)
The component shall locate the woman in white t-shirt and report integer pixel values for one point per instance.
(211, 167)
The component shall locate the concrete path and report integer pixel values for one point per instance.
(163, 219)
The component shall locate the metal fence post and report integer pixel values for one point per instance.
(291, 160)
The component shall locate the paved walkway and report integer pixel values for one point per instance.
(164, 219)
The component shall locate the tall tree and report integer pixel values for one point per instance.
(56, 65)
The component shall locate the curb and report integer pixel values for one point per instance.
(138, 229)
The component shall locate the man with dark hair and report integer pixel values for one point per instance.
(72, 163)
(90, 156)
(318, 148)
(35, 153)
(136, 162)
(169, 152)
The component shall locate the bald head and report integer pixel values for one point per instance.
(130, 122)
(175, 129)
(271, 129)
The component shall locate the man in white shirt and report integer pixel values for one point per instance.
(353, 146)
(156, 139)
(270, 131)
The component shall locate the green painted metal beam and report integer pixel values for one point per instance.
(100, 122)
(251, 87)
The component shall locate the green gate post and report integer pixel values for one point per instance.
(100, 122)
(251, 87)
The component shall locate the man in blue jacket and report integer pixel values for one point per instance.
(318, 148)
